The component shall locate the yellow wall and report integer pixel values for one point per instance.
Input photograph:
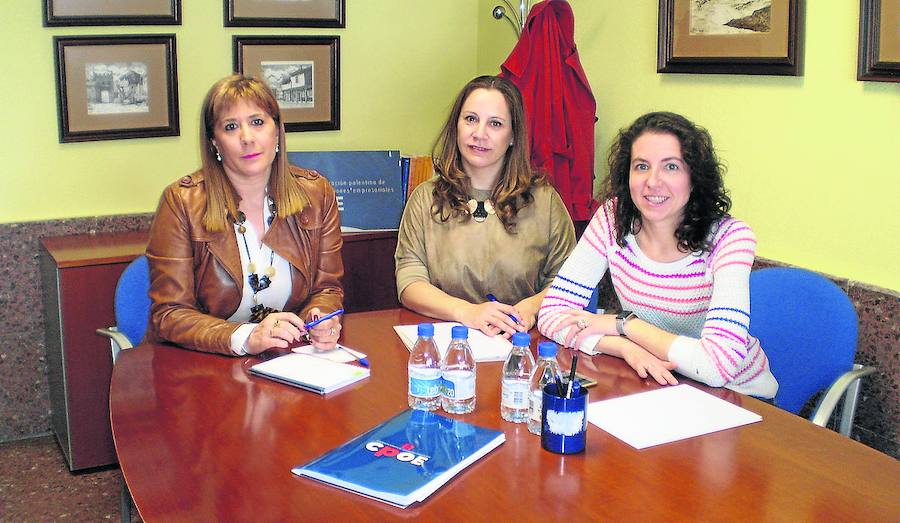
(813, 160)
(402, 62)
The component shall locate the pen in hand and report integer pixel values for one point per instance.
(323, 318)
(491, 297)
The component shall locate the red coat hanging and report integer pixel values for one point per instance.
(559, 103)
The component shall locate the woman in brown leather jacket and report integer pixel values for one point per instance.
(245, 237)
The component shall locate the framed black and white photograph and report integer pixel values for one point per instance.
(285, 13)
(879, 41)
(116, 87)
(111, 12)
(730, 37)
(303, 73)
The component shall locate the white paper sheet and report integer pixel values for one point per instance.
(484, 348)
(345, 355)
(665, 415)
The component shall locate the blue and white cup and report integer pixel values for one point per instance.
(564, 420)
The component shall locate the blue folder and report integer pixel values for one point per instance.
(368, 184)
(405, 459)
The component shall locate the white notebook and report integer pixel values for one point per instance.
(484, 348)
(310, 372)
(667, 414)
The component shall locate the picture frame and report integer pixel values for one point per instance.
(757, 37)
(285, 13)
(303, 72)
(879, 46)
(116, 87)
(60, 13)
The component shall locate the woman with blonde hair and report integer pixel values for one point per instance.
(481, 241)
(246, 249)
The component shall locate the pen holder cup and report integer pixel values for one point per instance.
(564, 420)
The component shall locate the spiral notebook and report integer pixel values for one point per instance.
(310, 372)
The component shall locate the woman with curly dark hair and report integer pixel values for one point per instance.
(679, 263)
(487, 223)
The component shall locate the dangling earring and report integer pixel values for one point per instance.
(511, 143)
(276, 147)
(218, 156)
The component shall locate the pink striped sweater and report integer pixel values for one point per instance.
(704, 299)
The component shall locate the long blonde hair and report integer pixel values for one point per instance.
(222, 200)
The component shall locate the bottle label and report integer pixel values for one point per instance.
(425, 388)
(424, 383)
(537, 403)
(459, 386)
(514, 394)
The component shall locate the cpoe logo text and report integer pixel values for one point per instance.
(403, 453)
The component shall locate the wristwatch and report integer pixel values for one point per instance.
(621, 319)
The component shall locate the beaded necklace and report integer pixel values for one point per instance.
(258, 311)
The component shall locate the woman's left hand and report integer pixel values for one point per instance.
(324, 336)
(584, 324)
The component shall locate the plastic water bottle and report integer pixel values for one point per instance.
(516, 379)
(545, 371)
(424, 371)
(458, 369)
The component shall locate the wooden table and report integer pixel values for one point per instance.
(199, 439)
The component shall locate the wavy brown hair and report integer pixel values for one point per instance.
(517, 176)
(709, 201)
(222, 200)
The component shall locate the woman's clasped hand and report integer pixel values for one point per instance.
(493, 318)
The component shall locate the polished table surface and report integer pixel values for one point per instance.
(200, 439)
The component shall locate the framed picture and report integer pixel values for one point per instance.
(879, 41)
(116, 87)
(111, 12)
(730, 37)
(285, 13)
(303, 72)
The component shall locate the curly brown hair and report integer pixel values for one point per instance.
(709, 201)
(517, 176)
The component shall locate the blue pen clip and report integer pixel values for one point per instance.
(491, 297)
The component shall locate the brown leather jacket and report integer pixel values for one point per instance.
(196, 276)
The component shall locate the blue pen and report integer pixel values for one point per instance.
(494, 298)
(362, 361)
(323, 318)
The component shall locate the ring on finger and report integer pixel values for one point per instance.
(275, 325)
(332, 331)
(582, 324)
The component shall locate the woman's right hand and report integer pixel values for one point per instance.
(648, 365)
(277, 330)
(491, 318)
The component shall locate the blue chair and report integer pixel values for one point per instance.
(808, 328)
(132, 309)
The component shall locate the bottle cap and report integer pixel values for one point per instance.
(547, 349)
(426, 330)
(459, 332)
(521, 339)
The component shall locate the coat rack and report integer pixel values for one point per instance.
(518, 19)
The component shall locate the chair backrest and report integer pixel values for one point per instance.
(808, 328)
(132, 301)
